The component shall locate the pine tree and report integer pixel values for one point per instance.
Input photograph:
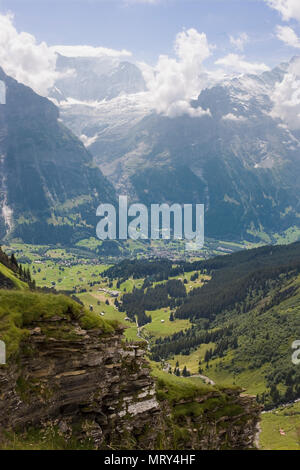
(289, 394)
(274, 393)
(13, 261)
(207, 356)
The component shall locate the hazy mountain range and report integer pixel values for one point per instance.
(238, 160)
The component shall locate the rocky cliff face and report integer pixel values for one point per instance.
(97, 390)
(89, 380)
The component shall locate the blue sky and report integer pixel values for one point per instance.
(148, 30)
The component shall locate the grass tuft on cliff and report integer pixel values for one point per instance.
(20, 309)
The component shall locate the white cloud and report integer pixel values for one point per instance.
(89, 51)
(237, 64)
(33, 63)
(88, 141)
(288, 36)
(233, 117)
(288, 8)
(24, 59)
(286, 97)
(239, 41)
(172, 83)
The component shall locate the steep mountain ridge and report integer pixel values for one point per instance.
(239, 161)
(49, 186)
(95, 79)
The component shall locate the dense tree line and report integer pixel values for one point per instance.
(233, 277)
(158, 269)
(168, 294)
(185, 342)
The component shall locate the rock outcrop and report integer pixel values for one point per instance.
(97, 389)
(93, 380)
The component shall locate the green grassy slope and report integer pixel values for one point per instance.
(19, 309)
(281, 429)
(8, 274)
(263, 354)
(247, 340)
